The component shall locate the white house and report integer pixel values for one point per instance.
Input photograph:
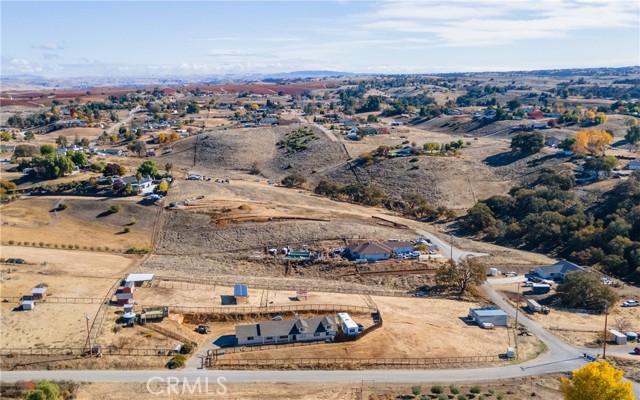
(287, 331)
(558, 270)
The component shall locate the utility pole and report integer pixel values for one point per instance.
(515, 329)
(86, 317)
(604, 339)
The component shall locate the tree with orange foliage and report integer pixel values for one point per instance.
(174, 137)
(592, 140)
(161, 138)
(597, 381)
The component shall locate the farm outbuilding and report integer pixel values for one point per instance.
(128, 287)
(38, 293)
(139, 279)
(27, 304)
(540, 288)
(493, 316)
(241, 293)
(124, 298)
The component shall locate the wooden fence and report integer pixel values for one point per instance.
(249, 349)
(76, 351)
(58, 300)
(279, 362)
(267, 310)
(221, 281)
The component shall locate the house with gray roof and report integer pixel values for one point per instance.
(558, 270)
(287, 331)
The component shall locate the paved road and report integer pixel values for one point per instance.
(448, 249)
(124, 121)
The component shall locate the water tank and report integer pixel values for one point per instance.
(631, 336)
(128, 317)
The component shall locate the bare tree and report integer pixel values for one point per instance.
(622, 324)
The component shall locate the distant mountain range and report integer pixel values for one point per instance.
(30, 81)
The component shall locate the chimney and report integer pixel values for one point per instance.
(296, 317)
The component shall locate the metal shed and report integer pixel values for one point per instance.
(241, 293)
(28, 304)
(493, 316)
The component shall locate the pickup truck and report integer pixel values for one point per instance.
(631, 303)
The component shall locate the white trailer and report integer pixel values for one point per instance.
(494, 272)
(349, 327)
(617, 337)
(533, 305)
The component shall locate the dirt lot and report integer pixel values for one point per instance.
(84, 222)
(67, 274)
(545, 387)
(216, 296)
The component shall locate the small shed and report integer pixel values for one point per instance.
(541, 288)
(139, 279)
(241, 293)
(38, 293)
(124, 298)
(27, 304)
(617, 337)
(493, 316)
(128, 287)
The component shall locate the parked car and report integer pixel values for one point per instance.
(360, 328)
(637, 350)
(277, 318)
(203, 329)
(631, 303)
(487, 325)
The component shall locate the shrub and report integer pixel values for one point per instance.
(126, 229)
(61, 206)
(462, 397)
(416, 390)
(437, 389)
(41, 244)
(500, 396)
(64, 246)
(75, 246)
(91, 248)
(114, 208)
(186, 348)
(176, 362)
(55, 245)
(454, 389)
(11, 242)
(136, 250)
(475, 389)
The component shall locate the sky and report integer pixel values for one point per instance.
(180, 38)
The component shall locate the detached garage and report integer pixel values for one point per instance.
(493, 316)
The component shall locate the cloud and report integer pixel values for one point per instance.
(239, 54)
(50, 56)
(49, 46)
(466, 23)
